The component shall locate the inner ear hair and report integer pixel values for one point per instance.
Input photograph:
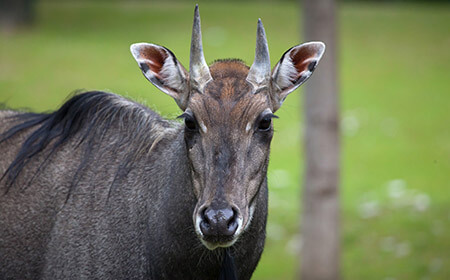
(294, 68)
(160, 66)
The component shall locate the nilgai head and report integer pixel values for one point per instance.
(227, 110)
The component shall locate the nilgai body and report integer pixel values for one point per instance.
(105, 188)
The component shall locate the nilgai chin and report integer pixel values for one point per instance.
(105, 188)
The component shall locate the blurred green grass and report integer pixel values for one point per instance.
(395, 103)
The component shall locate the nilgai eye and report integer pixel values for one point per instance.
(189, 121)
(264, 123)
(190, 124)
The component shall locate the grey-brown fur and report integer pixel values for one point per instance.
(104, 188)
(139, 228)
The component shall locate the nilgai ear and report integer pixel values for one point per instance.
(161, 67)
(294, 68)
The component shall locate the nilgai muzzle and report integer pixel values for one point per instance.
(104, 188)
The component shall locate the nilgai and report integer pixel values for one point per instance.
(105, 188)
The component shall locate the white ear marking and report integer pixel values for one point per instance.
(295, 67)
(159, 65)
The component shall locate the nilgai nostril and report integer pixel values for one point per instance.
(219, 222)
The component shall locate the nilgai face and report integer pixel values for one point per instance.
(115, 191)
(228, 110)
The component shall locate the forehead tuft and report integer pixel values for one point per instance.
(228, 84)
(228, 96)
(233, 68)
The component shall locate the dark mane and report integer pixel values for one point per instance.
(84, 117)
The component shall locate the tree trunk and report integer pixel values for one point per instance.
(320, 219)
(16, 13)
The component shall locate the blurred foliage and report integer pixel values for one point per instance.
(244, 1)
(395, 102)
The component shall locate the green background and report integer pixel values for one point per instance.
(394, 76)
